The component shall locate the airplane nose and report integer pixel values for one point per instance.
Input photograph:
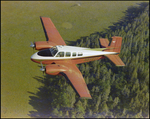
(34, 56)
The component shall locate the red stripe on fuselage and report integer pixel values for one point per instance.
(74, 60)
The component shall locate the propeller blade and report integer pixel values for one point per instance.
(32, 45)
(43, 68)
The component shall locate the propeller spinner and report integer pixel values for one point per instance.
(32, 45)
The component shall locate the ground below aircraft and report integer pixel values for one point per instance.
(61, 59)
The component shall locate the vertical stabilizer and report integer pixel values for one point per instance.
(115, 45)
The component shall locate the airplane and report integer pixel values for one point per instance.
(60, 59)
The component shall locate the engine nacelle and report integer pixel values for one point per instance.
(55, 69)
(40, 45)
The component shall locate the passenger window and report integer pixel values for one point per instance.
(68, 54)
(80, 54)
(74, 54)
(60, 54)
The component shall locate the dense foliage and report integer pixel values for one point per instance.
(116, 91)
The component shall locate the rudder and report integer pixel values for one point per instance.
(115, 45)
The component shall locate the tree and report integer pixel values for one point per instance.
(98, 73)
(124, 113)
(116, 101)
(66, 114)
(60, 113)
(87, 69)
(55, 112)
(125, 91)
(139, 115)
(135, 87)
(94, 66)
(134, 76)
(82, 68)
(80, 110)
(90, 113)
(98, 103)
(106, 93)
(87, 42)
(104, 108)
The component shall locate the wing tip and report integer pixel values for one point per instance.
(120, 65)
(43, 17)
(85, 97)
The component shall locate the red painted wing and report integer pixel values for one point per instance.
(51, 32)
(72, 73)
(77, 80)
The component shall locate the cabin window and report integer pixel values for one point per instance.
(68, 54)
(80, 54)
(74, 54)
(60, 54)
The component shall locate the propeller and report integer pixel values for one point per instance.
(33, 45)
(42, 69)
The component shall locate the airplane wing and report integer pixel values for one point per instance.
(77, 81)
(104, 42)
(115, 59)
(51, 32)
(74, 75)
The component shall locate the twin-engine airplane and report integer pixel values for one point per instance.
(61, 59)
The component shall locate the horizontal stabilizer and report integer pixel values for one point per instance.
(115, 59)
(104, 42)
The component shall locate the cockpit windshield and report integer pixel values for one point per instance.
(48, 52)
(54, 50)
(45, 53)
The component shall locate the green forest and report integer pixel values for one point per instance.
(116, 91)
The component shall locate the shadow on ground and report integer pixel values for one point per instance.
(41, 101)
(45, 100)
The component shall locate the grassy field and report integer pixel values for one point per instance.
(20, 25)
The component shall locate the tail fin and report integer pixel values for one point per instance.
(115, 45)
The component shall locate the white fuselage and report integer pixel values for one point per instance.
(68, 52)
